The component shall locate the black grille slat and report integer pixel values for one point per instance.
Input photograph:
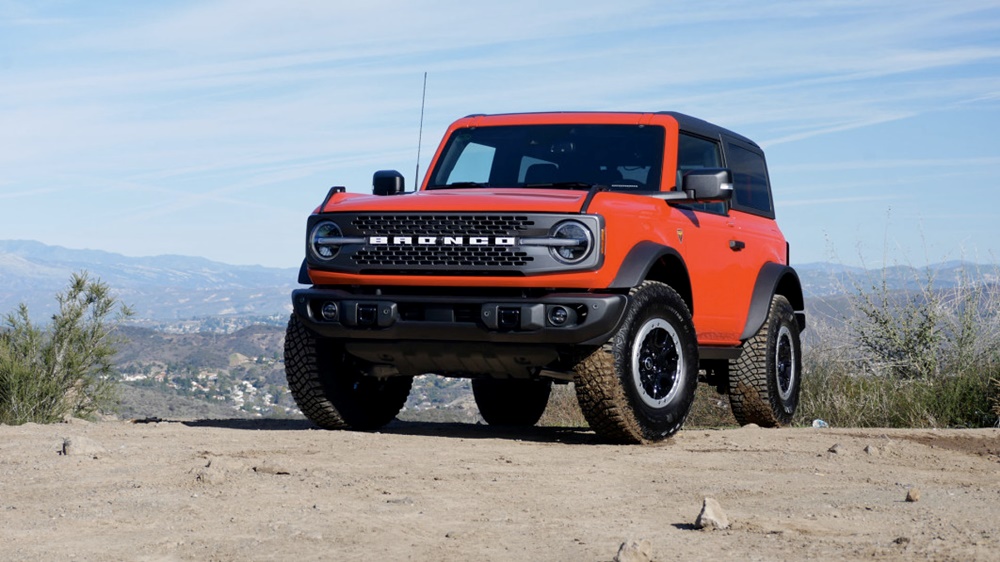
(409, 256)
(443, 225)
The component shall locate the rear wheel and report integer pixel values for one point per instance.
(331, 388)
(639, 386)
(512, 402)
(764, 381)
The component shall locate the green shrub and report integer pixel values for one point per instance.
(66, 367)
(926, 358)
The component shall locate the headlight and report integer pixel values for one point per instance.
(325, 240)
(578, 242)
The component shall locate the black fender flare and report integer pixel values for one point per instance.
(304, 274)
(640, 259)
(639, 265)
(773, 278)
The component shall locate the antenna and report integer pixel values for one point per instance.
(420, 134)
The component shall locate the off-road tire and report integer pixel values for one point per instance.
(638, 387)
(512, 402)
(764, 381)
(330, 387)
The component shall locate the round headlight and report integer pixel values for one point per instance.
(320, 240)
(579, 241)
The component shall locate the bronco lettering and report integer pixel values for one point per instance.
(442, 240)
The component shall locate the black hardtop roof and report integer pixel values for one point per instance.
(686, 122)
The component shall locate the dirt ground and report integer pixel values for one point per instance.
(281, 490)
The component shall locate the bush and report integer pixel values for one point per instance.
(65, 368)
(926, 358)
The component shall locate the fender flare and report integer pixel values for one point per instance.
(304, 274)
(773, 278)
(649, 260)
(640, 259)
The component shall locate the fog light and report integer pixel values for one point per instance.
(558, 315)
(329, 311)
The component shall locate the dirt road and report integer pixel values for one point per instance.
(279, 490)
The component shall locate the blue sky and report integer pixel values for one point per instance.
(213, 127)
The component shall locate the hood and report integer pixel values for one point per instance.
(462, 200)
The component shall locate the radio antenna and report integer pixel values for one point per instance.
(420, 133)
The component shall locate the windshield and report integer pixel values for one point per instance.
(621, 157)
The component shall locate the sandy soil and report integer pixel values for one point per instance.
(270, 490)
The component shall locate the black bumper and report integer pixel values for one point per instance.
(586, 319)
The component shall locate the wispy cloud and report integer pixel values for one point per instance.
(175, 109)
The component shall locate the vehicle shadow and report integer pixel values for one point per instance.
(450, 430)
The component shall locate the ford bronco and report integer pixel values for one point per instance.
(632, 254)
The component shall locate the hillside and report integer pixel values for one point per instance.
(207, 337)
(160, 288)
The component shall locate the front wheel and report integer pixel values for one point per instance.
(511, 402)
(764, 381)
(639, 386)
(330, 387)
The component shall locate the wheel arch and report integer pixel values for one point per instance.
(649, 261)
(774, 279)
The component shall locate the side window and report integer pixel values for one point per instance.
(751, 192)
(694, 153)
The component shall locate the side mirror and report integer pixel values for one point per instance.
(708, 184)
(387, 182)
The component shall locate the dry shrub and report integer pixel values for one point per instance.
(563, 409)
(925, 358)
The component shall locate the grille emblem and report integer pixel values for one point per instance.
(442, 240)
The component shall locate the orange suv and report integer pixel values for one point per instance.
(632, 254)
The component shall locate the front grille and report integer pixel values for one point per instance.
(490, 244)
(416, 257)
(444, 256)
(443, 225)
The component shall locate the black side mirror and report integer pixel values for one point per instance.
(708, 184)
(387, 182)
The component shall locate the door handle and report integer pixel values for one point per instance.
(736, 245)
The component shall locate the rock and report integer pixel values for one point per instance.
(711, 517)
(634, 551)
(837, 449)
(81, 446)
(872, 450)
(913, 495)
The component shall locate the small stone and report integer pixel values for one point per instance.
(902, 540)
(634, 551)
(81, 446)
(837, 449)
(711, 517)
(913, 495)
(872, 450)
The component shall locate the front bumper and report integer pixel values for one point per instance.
(555, 318)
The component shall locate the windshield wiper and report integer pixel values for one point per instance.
(458, 185)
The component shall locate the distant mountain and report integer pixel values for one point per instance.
(158, 288)
(828, 279)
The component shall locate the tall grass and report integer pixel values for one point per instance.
(924, 358)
